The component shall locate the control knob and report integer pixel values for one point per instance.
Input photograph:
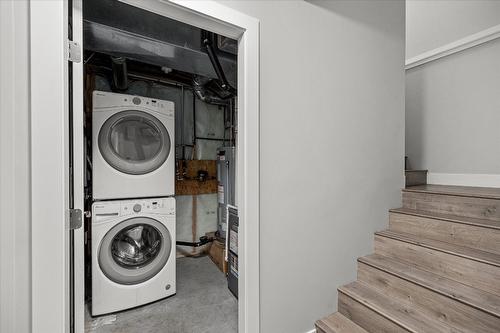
(137, 208)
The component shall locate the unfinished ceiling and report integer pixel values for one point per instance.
(118, 29)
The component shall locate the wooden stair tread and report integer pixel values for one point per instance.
(465, 252)
(473, 297)
(337, 323)
(464, 191)
(402, 315)
(448, 217)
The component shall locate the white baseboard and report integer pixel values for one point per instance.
(481, 180)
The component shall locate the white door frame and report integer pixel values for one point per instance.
(48, 27)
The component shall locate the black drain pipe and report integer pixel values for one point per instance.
(217, 66)
(119, 67)
(203, 240)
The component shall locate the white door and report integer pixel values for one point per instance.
(56, 89)
(76, 274)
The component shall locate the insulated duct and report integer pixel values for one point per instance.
(205, 95)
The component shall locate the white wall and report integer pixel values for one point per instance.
(453, 113)
(332, 147)
(15, 232)
(431, 24)
(332, 128)
(452, 104)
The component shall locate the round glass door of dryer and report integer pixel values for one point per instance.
(135, 250)
(134, 142)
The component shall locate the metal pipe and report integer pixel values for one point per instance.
(155, 80)
(183, 149)
(119, 67)
(209, 139)
(217, 66)
(194, 127)
(103, 69)
(231, 122)
(225, 122)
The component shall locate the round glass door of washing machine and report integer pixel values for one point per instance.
(134, 142)
(134, 250)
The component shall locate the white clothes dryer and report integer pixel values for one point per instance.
(133, 149)
(133, 253)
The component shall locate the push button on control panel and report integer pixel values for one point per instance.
(137, 208)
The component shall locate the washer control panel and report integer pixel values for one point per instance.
(104, 100)
(105, 210)
(149, 206)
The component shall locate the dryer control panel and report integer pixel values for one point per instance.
(106, 210)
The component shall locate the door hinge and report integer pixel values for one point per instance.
(74, 51)
(75, 219)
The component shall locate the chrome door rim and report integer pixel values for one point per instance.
(134, 275)
(132, 167)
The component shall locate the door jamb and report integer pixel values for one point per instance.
(218, 18)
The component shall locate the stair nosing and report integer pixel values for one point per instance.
(381, 313)
(323, 325)
(422, 284)
(376, 309)
(404, 238)
(414, 189)
(446, 217)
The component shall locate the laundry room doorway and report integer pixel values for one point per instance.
(70, 179)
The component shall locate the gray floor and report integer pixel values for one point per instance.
(203, 304)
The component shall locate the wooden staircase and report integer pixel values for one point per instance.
(436, 269)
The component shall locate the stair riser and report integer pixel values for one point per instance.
(473, 273)
(481, 238)
(481, 208)
(365, 317)
(415, 178)
(436, 306)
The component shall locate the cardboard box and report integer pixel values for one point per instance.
(217, 253)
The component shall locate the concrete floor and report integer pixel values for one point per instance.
(203, 304)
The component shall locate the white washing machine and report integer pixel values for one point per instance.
(133, 150)
(133, 253)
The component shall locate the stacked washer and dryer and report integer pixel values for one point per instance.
(133, 210)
